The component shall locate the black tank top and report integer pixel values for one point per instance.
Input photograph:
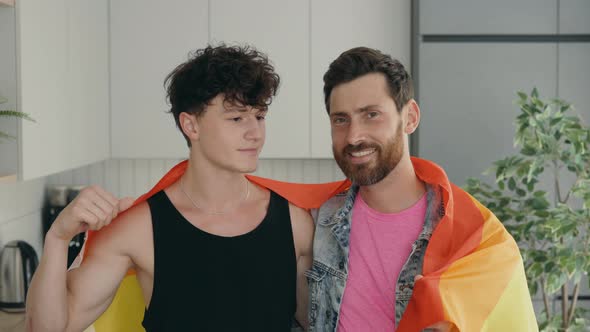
(205, 282)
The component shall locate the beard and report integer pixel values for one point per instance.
(387, 158)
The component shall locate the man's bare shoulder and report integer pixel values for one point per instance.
(300, 215)
(127, 233)
(303, 229)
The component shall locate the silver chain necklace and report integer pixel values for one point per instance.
(217, 213)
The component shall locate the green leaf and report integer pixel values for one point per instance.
(522, 95)
(4, 136)
(530, 185)
(541, 213)
(555, 281)
(511, 184)
(539, 203)
(538, 103)
(533, 288)
(15, 114)
(540, 257)
(564, 107)
(535, 270)
(549, 266)
(528, 150)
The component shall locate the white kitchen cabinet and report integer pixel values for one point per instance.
(148, 40)
(300, 37)
(338, 25)
(61, 60)
(475, 17)
(8, 148)
(281, 30)
(573, 16)
(163, 33)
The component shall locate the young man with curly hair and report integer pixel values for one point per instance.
(212, 251)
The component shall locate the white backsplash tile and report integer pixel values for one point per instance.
(27, 228)
(133, 177)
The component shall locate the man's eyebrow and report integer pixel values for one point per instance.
(359, 110)
(368, 107)
(243, 109)
(338, 114)
(232, 109)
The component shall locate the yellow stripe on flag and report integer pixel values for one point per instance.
(514, 312)
(125, 313)
(472, 286)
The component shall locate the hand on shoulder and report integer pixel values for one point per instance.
(93, 209)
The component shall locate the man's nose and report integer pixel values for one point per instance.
(355, 133)
(255, 130)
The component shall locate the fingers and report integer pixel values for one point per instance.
(119, 205)
(106, 201)
(88, 219)
(97, 207)
(93, 209)
(99, 204)
(100, 217)
(125, 203)
(418, 277)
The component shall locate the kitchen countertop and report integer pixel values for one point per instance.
(15, 322)
(12, 322)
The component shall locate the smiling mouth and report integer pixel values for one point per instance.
(359, 154)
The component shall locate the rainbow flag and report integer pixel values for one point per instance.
(473, 272)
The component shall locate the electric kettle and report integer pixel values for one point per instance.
(18, 262)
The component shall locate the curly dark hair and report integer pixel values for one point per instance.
(360, 61)
(243, 74)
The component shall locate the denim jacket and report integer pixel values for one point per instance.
(329, 272)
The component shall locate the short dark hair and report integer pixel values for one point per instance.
(243, 74)
(360, 61)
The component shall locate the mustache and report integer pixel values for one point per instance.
(359, 147)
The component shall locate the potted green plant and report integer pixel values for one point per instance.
(13, 114)
(542, 195)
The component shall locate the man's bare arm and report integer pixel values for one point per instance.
(303, 230)
(59, 300)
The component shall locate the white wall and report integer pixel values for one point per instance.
(20, 212)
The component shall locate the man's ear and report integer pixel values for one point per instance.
(189, 125)
(412, 116)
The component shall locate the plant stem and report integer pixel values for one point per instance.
(545, 299)
(564, 305)
(557, 198)
(574, 302)
(567, 196)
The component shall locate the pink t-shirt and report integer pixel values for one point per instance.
(380, 244)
